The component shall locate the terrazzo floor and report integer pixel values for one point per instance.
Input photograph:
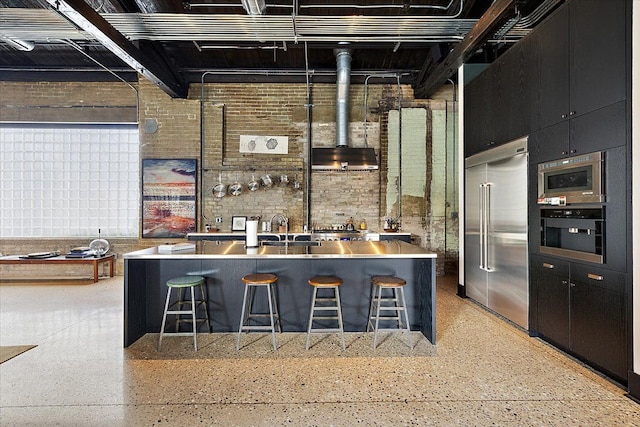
(483, 372)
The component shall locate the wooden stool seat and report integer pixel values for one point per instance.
(325, 281)
(260, 278)
(388, 281)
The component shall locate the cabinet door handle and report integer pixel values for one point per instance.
(547, 265)
(572, 113)
(573, 151)
(573, 285)
(564, 153)
(564, 282)
(564, 116)
(595, 276)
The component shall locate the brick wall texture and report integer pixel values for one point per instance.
(219, 114)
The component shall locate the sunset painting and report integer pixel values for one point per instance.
(168, 197)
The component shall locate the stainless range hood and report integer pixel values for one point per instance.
(344, 158)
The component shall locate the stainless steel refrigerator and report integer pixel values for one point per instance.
(496, 254)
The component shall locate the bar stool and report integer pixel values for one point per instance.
(181, 284)
(252, 282)
(381, 303)
(325, 282)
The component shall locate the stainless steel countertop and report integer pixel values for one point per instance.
(236, 249)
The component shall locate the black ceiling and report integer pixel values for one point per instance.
(174, 42)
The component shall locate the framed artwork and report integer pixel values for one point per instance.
(169, 197)
(238, 223)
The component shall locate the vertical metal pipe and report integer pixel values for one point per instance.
(308, 106)
(343, 80)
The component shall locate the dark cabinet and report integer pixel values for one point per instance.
(597, 317)
(497, 102)
(580, 309)
(597, 54)
(478, 105)
(595, 131)
(550, 49)
(580, 52)
(550, 278)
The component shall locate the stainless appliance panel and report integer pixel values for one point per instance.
(496, 254)
(508, 282)
(475, 276)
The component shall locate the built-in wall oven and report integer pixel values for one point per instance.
(572, 209)
(572, 180)
(576, 233)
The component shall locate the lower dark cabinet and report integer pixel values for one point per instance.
(580, 309)
(597, 318)
(551, 280)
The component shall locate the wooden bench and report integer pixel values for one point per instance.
(17, 259)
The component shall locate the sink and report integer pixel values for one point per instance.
(290, 243)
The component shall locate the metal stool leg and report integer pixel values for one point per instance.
(313, 304)
(274, 290)
(339, 304)
(164, 318)
(375, 329)
(205, 303)
(406, 316)
(193, 318)
(244, 306)
(273, 326)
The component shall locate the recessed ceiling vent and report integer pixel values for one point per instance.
(342, 157)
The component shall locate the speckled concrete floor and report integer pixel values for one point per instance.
(482, 372)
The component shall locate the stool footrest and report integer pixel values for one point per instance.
(255, 328)
(179, 334)
(326, 330)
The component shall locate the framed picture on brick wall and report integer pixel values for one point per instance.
(169, 197)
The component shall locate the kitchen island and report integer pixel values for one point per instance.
(223, 263)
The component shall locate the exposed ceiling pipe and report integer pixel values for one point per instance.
(23, 45)
(254, 7)
(388, 6)
(343, 81)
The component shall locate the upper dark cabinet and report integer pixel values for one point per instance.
(550, 50)
(597, 54)
(497, 102)
(580, 66)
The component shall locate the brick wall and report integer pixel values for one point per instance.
(231, 110)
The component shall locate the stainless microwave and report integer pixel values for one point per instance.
(571, 180)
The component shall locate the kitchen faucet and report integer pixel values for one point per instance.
(282, 219)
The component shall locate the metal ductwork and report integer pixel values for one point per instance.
(342, 157)
(343, 81)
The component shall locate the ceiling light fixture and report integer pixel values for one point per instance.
(254, 7)
(18, 44)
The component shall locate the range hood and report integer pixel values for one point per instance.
(344, 158)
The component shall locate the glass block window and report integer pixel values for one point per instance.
(66, 180)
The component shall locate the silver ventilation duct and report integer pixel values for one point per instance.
(343, 81)
(342, 157)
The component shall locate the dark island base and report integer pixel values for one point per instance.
(145, 290)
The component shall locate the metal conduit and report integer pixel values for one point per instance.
(45, 25)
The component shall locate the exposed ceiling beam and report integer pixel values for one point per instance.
(160, 73)
(498, 13)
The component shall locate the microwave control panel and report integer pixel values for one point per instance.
(553, 201)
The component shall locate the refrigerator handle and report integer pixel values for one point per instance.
(487, 225)
(481, 218)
